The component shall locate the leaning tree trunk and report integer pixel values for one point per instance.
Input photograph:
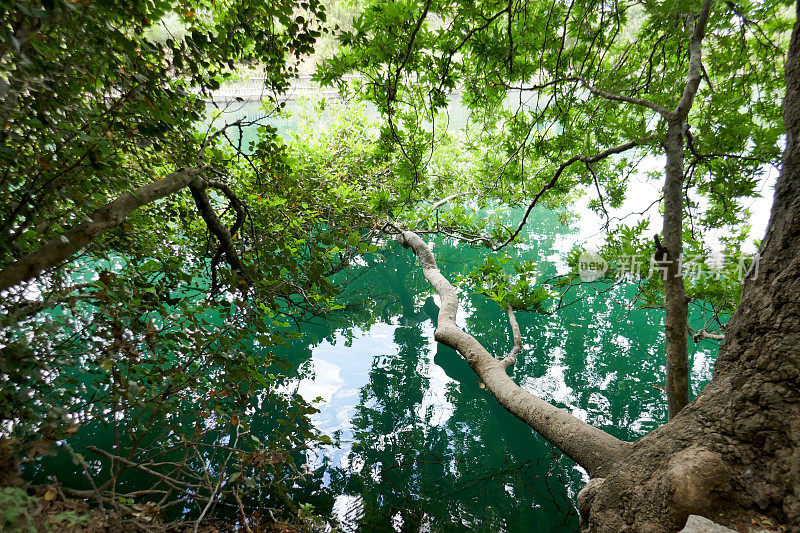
(592, 448)
(733, 453)
(112, 214)
(97, 223)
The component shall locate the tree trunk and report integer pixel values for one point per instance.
(734, 453)
(676, 319)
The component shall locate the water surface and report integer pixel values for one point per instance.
(423, 446)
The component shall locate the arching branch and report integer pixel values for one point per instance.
(592, 448)
(588, 159)
(223, 235)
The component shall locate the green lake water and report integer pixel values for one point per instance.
(422, 446)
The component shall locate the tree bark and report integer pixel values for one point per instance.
(100, 221)
(588, 446)
(676, 320)
(733, 454)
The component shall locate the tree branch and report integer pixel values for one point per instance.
(703, 334)
(663, 111)
(410, 48)
(695, 74)
(447, 200)
(625, 99)
(217, 228)
(592, 448)
(99, 222)
(511, 358)
(574, 159)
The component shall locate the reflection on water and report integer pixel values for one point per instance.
(422, 446)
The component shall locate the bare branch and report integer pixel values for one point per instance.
(599, 195)
(445, 201)
(217, 228)
(463, 238)
(574, 159)
(410, 48)
(592, 448)
(625, 99)
(663, 111)
(511, 358)
(703, 334)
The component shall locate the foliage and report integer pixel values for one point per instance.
(713, 278)
(14, 510)
(149, 355)
(150, 344)
(92, 105)
(517, 289)
(546, 82)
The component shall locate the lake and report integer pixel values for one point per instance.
(422, 446)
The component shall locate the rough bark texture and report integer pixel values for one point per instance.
(100, 221)
(734, 452)
(588, 446)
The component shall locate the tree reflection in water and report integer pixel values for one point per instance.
(422, 446)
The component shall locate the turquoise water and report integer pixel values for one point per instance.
(423, 447)
(420, 444)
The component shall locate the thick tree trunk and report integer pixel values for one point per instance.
(733, 453)
(100, 221)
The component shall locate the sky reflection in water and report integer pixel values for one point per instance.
(423, 447)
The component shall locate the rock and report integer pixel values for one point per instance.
(698, 524)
